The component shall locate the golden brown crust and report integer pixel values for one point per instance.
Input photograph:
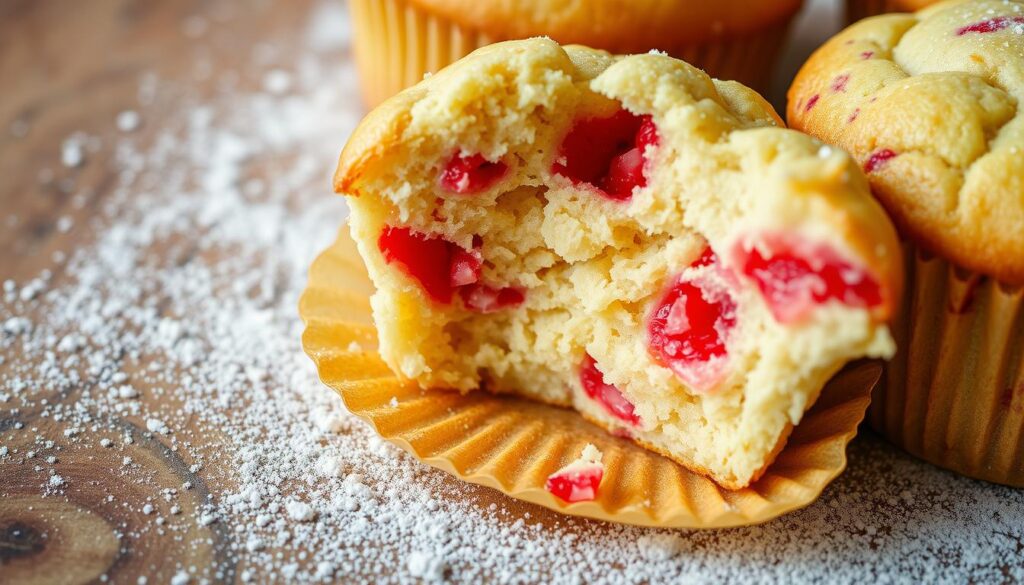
(384, 125)
(619, 25)
(928, 105)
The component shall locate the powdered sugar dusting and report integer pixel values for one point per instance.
(177, 327)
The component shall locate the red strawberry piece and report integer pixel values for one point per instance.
(689, 328)
(427, 259)
(991, 25)
(794, 277)
(576, 482)
(839, 83)
(466, 174)
(607, 395)
(608, 153)
(813, 101)
(442, 267)
(481, 298)
(465, 267)
(878, 159)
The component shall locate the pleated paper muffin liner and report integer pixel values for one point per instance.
(954, 393)
(512, 445)
(396, 42)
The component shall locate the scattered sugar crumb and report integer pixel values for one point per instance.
(128, 121)
(277, 81)
(299, 511)
(72, 152)
(659, 547)
(155, 425)
(431, 568)
(65, 223)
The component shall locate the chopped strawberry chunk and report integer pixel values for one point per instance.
(607, 395)
(579, 480)
(813, 101)
(427, 259)
(647, 135)
(689, 329)
(470, 174)
(576, 485)
(442, 267)
(707, 258)
(991, 25)
(878, 159)
(608, 153)
(465, 267)
(795, 277)
(481, 298)
(624, 172)
(839, 83)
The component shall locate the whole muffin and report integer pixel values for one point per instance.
(928, 103)
(858, 9)
(398, 41)
(622, 235)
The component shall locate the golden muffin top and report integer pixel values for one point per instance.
(928, 104)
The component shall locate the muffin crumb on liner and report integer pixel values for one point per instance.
(513, 445)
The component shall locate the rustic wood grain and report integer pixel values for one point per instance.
(65, 67)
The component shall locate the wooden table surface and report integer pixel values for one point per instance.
(70, 67)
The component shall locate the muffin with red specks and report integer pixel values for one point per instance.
(396, 42)
(621, 235)
(929, 104)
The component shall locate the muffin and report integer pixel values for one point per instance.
(928, 104)
(620, 235)
(858, 9)
(397, 42)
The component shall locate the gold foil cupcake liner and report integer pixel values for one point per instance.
(513, 445)
(954, 393)
(396, 43)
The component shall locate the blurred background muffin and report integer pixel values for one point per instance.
(929, 104)
(858, 9)
(398, 41)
